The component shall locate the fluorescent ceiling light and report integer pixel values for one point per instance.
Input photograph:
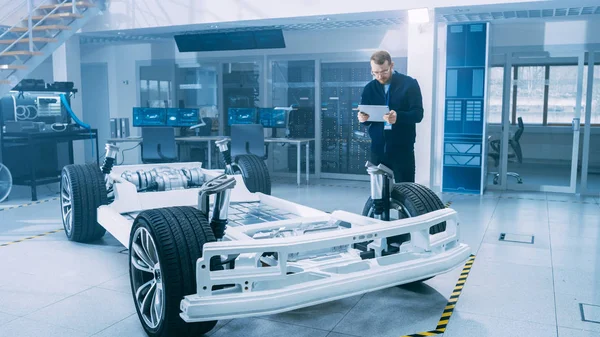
(419, 15)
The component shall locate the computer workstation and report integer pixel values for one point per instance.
(161, 144)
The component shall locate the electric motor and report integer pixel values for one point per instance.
(164, 178)
(171, 180)
(194, 176)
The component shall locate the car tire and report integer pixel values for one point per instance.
(171, 240)
(254, 172)
(82, 191)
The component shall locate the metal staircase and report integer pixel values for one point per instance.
(26, 44)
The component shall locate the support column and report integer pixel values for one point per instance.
(66, 66)
(420, 66)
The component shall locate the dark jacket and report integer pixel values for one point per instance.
(405, 98)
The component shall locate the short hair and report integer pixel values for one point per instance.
(380, 56)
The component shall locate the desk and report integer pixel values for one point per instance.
(32, 139)
(197, 139)
(298, 142)
(201, 139)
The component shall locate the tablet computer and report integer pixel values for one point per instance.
(375, 112)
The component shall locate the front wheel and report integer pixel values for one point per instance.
(410, 200)
(163, 248)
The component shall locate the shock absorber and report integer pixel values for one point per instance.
(109, 159)
(226, 153)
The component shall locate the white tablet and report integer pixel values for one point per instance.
(375, 112)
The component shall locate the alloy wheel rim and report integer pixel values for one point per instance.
(147, 278)
(66, 204)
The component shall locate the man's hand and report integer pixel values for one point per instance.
(390, 117)
(362, 117)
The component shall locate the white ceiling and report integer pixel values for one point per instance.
(498, 13)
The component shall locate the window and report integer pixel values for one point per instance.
(545, 94)
(496, 89)
(155, 94)
(530, 83)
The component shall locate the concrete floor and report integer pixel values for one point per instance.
(52, 287)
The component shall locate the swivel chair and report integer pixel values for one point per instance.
(158, 145)
(248, 139)
(516, 155)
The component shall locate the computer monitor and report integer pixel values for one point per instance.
(179, 117)
(242, 116)
(149, 116)
(273, 118)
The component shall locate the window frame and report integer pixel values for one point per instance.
(515, 72)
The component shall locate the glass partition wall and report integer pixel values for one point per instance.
(544, 118)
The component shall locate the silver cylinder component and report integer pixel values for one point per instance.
(132, 177)
(111, 151)
(171, 180)
(194, 176)
(222, 144)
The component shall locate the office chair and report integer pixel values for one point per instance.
(516, 155)
(248, 139)
(158, 145)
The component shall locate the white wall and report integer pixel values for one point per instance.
(576, 32)
(130, 14)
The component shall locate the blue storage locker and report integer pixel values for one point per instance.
(464, 107)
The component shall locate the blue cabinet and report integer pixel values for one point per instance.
(464, 115)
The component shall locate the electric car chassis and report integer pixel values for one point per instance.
(202, 247)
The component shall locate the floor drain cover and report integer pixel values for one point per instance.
(590, 313)
(520, 238)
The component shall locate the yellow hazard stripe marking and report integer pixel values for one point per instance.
(449, 309)
(28, 204)
(30, 237)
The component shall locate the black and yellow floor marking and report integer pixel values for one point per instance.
(449, 309)
(448, 204)
(30, 238)
(29, 204)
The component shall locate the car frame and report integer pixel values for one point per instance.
(213, 250)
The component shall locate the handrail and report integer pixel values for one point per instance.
(30, 26)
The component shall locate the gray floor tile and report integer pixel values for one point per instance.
(575, 244)
(524, 255)
(467, 324)
(23, 293)
(581, 283)
(337, 334)
(5, 318)
(324, 316)
(394, 312)
(130, 327)
(97, 309)
(120, 284)
(568, 332)
(24, 327)
(510, 291)
(575, 261)
(568, 312)
(256, 327)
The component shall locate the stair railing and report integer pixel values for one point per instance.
(30, 25)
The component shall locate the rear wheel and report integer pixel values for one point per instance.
(82, 191)
(254, 172)
(163, 248)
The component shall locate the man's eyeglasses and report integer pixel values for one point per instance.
(379, 73)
